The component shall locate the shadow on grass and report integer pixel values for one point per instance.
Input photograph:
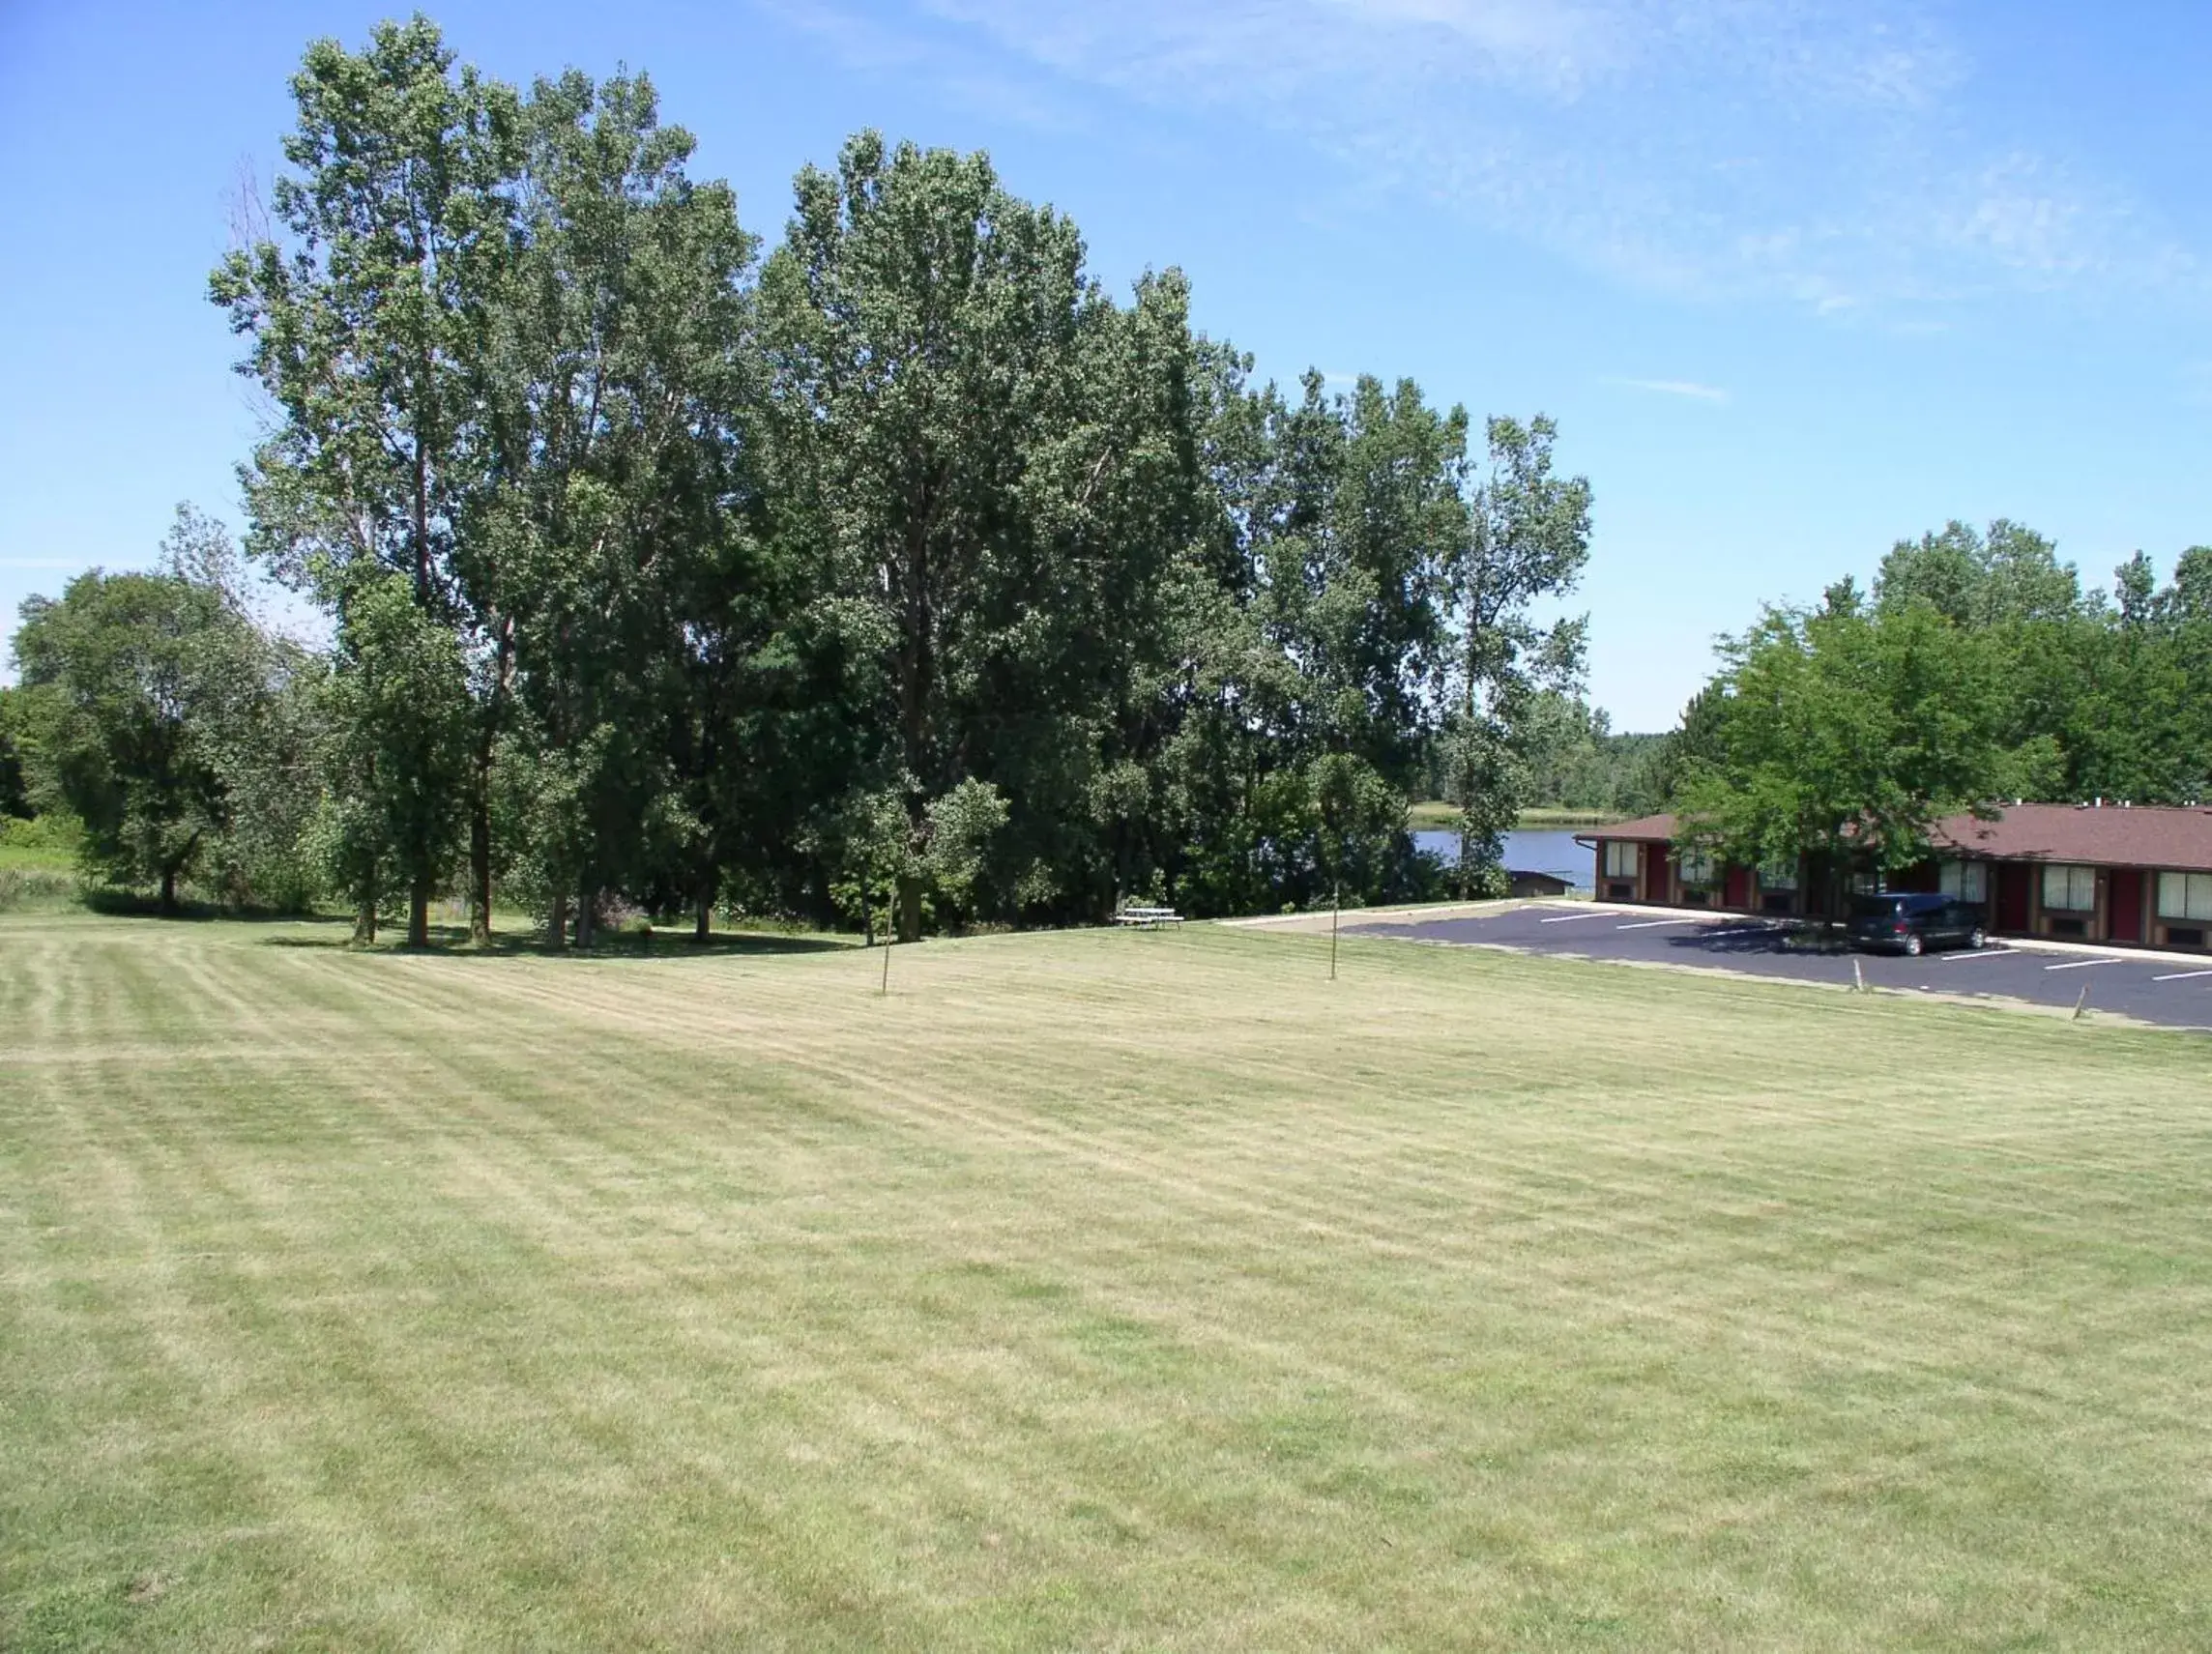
(113, 903)
(328, 931)
(451, 942)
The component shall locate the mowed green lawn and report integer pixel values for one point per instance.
(1094, 1291)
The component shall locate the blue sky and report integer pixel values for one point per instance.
(1797, 278)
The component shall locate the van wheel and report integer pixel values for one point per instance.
(1974, 937)
(1912, 945)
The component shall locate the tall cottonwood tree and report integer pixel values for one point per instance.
(614, 549)
(1530, 542)
(957, 432)
(395, 753)
(1316, 626)
(367, 325)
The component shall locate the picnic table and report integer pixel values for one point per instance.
(1146, 918)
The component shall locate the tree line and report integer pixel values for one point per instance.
(1577, 760)
(899, 577)
(1977, 670)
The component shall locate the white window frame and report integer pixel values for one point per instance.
(2185, 896)
(1697, 866)
(1964, 881)
(1778, 878)
(2069, 888)
(1619, 851)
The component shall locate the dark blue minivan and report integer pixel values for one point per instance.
(1910, 923)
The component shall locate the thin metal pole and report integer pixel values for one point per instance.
(2082, 1005)
(883, 991)
(1336, 908)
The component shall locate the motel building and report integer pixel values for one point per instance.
(2131, 875)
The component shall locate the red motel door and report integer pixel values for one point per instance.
(2012, 895)
(2127, 904)
(1737, 894)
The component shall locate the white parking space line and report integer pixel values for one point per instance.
(2182, 976)
(1979, 953)
(2083, 963)
(1654, 924)
(1569, 918)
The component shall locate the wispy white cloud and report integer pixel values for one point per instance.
(958, 73)
(1688, 388)
(1806, 150)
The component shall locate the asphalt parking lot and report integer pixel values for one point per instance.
(2163, 990)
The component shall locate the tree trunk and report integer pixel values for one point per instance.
(479, 798)
(917, 668)
(868, 916)
(421, 513)
(704, 930)
(168, 889)
(365, 919)
(910, 906)
(480, 870)
(557, 924)
(586, 918)
(419, 914)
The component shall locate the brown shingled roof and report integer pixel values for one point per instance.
(2110, 835)
(1643, 826)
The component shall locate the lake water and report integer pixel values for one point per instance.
(1549, 850)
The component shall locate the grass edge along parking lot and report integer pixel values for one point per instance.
(2147, 987)
(1092, 1290)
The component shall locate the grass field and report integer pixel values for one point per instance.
(1432, 815)
(36, 874)
(1092, 1290)
(35, 888)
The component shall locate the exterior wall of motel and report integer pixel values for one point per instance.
(1657, 882)
(2117, 918)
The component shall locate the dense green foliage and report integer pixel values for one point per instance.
(903, 572)
(158, 714)
(1977, 670)
(1577, 760)
(15, 773)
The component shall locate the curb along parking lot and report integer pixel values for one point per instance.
(2159, 989)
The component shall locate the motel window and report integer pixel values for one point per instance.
(1697, 867)
(1967, 881)
(1778, 876)
(1619, 859)
(2070, 889)
(2185, 896)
